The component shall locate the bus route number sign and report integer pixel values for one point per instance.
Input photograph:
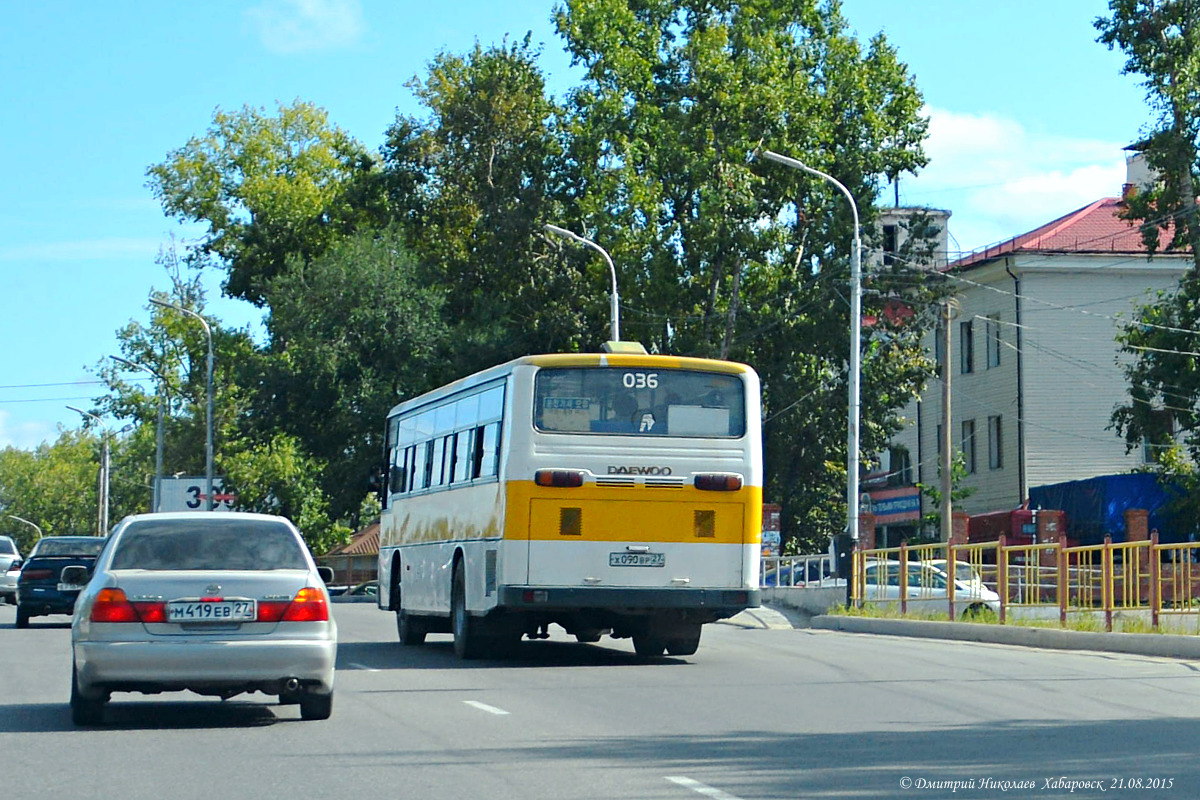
(640, 380)
(637, 559)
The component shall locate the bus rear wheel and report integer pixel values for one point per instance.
(684, 641)
(648, 646)
(411, 629)
(468, 640)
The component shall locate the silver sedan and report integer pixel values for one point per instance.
(215, 603)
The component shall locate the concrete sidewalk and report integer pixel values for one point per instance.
(1162, 645)
(1165, 645)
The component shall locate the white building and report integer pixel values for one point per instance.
(1035, 374)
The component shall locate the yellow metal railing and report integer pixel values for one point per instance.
(1102, 579)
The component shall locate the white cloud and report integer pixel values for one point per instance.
(82, 250)
(25, 435)
(1000, 178)
(301, 26)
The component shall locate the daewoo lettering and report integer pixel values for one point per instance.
(639, 470)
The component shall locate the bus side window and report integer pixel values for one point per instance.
(418, 470)
(490, 450)
(437, 466)
(447, 474)
(462, 457)
(428, 477)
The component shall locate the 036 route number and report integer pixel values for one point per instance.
(640, 380)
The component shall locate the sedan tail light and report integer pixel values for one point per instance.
(111, 605)
(37, 574)
(308, 605)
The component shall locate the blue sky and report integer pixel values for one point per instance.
(1028, 117)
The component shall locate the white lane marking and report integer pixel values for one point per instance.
(485, 707)
(700, 788)
(363, 667)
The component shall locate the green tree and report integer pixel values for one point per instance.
(472, 184)
(1161, 41)
(352, 332)
(267, 186)
(278, 477)
(721, 255)
(55, 486)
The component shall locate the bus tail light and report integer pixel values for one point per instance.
(558, 477)
(718, 482)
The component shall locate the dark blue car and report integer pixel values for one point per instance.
(39, 589)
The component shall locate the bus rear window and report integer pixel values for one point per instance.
(639, 402)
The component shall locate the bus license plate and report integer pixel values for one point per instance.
(637, 559)
(223, 611)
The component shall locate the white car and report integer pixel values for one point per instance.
(218, 604)
(926, 588)
(10, 569)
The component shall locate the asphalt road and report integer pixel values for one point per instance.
(756, 713)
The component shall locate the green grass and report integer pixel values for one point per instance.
(1075, 622)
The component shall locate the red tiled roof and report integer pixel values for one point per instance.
(1095, 228)
(364, 543)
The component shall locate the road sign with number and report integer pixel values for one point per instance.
(188, 494)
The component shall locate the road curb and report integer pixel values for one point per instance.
(1165, 645)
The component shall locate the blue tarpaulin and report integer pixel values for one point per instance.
(1095, 507)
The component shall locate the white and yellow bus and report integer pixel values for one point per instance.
(607, 493)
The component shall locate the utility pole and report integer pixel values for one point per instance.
(949, 307)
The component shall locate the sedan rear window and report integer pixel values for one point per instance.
(208, 545)
(68, 546)
(7, 548)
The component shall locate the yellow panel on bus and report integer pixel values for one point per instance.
(634, 514)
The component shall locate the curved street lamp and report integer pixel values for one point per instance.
(852, 499)
(104, 466)
(34, 525)
(156, 500)
(208, 447)
(613, 297)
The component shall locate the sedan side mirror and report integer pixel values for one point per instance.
(326, 573)
(74, 576)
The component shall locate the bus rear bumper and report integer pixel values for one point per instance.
(721, 603)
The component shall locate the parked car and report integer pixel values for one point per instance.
(798, 573)
(10, 568)
(40, 588)
(926, 588)
(216, 604)
(963, 571)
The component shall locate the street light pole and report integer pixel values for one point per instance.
(208, 447)
(614, 312)
(34, 525)
(102, 521)
(852, 500)
(155, 501)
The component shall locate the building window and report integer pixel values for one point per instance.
(966, 345)
(889, 245)
(968, 445)
(993, 341)
(900, 471)
(939, 440)
(939, 346)
(995, 443)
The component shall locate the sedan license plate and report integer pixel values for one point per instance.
(637, 559)
(219, 611)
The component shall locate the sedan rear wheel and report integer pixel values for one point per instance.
(316, 706)
(22, 617)
(85, 711)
